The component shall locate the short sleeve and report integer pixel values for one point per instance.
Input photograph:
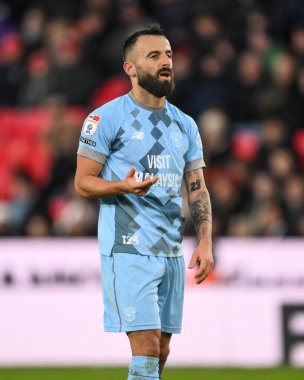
(95, 138)
(195, 156)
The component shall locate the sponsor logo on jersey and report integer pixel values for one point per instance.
(87, 141)
(138, 135)
(164, 179)
(131, 239)
(95, 118)
(159, 161)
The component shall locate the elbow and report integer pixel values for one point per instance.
(79, 191)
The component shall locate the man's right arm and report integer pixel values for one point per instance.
(88, 183)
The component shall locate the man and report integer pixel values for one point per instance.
(134, 152)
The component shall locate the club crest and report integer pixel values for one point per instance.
(130, 313)
(176, 139)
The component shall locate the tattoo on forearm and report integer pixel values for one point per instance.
(201, 215)
(195, 185)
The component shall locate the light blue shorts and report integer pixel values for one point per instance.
(142, 292)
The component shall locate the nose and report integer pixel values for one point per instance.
(166, 61)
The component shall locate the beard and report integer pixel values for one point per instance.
(153, 85)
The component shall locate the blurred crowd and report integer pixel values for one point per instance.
(239, 72)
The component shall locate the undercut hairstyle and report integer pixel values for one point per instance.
(153, 30)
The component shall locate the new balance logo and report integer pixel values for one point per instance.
(138, 135)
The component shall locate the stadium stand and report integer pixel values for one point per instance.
(239, 71)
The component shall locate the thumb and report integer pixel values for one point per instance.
(131, 172)
(192, 262)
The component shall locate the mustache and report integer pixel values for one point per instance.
(165, 70)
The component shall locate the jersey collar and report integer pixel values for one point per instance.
(144, 106)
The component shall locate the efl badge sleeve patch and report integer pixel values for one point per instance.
(91, 125)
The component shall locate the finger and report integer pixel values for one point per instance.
(203, 268)
(202, 279)
(150, 181)
(146, 184)
(142, 190)
(142, 193)
(204, 274)
(192, 262)
(155, 179)
(201, 271)
(131, 172)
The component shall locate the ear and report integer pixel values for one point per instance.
(129, 69)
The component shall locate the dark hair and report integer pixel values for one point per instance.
(153, 30)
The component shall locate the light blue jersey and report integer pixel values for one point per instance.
(163, 142)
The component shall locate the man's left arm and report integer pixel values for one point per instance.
(200, 208)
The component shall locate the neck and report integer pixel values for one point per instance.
(144, 97)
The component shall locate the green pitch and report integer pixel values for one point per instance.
(283, 373)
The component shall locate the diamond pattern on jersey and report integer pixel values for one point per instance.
(117, 143)
(136, 124)
(125, 224)
(156, 117)
(160, 246)
(176, 249)
(156, 133)
(181, 226)
(170, 209)
(135, 112)
(172, 212)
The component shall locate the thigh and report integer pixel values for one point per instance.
(135, 281)
(171, 295)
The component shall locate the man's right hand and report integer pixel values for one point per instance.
(88, 183)
(130, 184)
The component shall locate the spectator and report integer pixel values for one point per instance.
(12, 71)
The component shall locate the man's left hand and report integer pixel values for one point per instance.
(202, 256)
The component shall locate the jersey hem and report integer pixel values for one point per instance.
(143, 253)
